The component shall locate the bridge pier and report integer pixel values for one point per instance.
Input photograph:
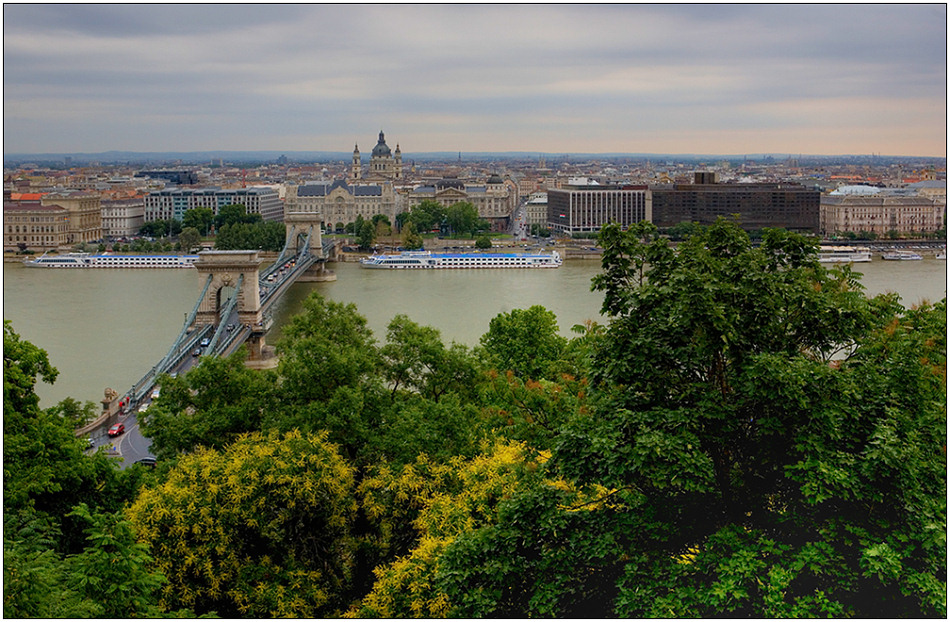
(317, 273)
(225, 267)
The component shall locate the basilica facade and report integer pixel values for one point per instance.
(384, 164)
(363, 193)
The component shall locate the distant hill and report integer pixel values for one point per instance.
(184, 158)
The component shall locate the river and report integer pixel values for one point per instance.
(106, 328)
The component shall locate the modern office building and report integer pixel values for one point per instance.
(756, 205)
(166, 204)
(584, 209)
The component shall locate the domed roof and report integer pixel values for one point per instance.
(495, 179)
(381, 149)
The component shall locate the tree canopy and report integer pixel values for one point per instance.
(748, 435)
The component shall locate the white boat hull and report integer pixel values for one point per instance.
(423, 260)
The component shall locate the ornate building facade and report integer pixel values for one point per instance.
(495, 200)
(384, 164)
(30, 225)
(880, 214)
(339, 203)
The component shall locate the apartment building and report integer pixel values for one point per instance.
(173, 203)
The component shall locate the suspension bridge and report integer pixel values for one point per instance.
(233, 308)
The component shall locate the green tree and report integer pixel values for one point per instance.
(366, 234)
(155, 229)
(76, 413)
(462, 217)
(327, 346)
(415, 359)
(200, 218)
(233, 214)
(210, 406)
(329, 370)
(483, 242)
(401, 219)
(427, 215)
(411, 239)
(730, 425)
(524, 341)
(189, 239)
(761, 440)
(113, 571)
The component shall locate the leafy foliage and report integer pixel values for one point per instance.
(260, 529)
(217, 401)
(524, 341)
(462, 217)
(749, 436)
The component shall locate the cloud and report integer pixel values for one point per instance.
(503, 77)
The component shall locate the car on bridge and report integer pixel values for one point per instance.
(117, 429)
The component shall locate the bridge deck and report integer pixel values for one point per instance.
(225, 336)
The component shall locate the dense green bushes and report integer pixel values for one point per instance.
(748, 436)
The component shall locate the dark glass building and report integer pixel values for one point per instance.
(757, 205)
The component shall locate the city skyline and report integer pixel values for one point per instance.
(697, 79)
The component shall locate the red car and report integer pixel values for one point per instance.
(117, 429)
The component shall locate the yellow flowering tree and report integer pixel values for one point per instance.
(443, 503)
(260, 529)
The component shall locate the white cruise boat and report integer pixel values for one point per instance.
(844, 254)
(901, 256)
(425, 260)
(86, 260)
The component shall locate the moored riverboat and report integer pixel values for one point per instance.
(426, 260)
(87, 260)
(901, 256)
(844, 254)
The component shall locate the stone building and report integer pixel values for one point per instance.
(122, 218)
(85, 214)
(536, 209)
(339, 203)
(495, 200)
(880, 213)
(384, 165)
(30, 225)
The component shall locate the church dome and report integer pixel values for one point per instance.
(381, 149)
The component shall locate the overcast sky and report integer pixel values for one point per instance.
(704, 79)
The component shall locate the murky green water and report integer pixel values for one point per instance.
(106, 328)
